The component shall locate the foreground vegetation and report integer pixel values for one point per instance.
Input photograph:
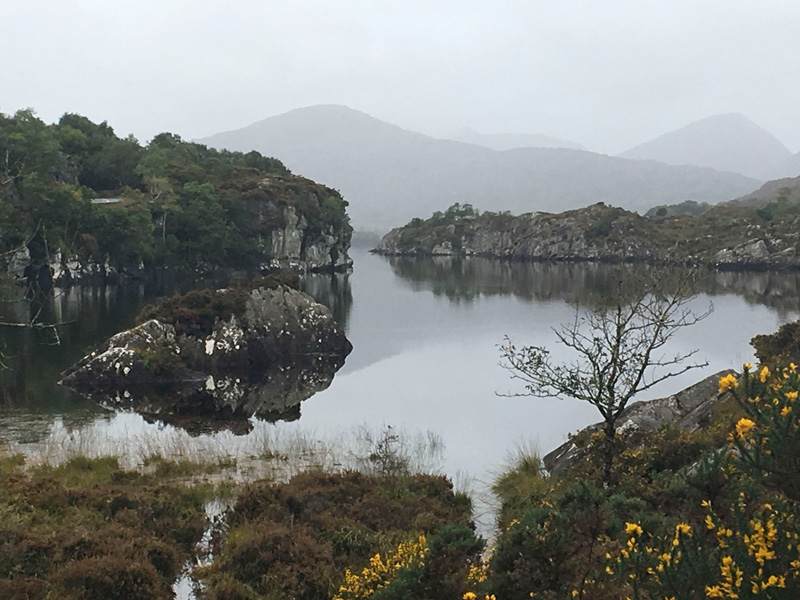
(713, 513)
(88, 529)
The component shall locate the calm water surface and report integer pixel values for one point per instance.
(425, 359)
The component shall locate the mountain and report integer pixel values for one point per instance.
(788, 168)
(390, 175)
(786, 191)
(729, 142)
(510, 141)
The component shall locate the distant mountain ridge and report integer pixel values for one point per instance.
(390, 175)
(779, 190)
(729, 142)
(788, 168)
(512, 141)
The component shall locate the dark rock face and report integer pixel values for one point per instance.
(264, 362)
(689, 409)
(296, 246)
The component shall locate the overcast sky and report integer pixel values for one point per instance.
(607, 74)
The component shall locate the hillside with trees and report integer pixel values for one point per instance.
(77, 199)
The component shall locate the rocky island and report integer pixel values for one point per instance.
(736, 235)
(220, 356)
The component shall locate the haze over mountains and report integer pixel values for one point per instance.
(511, 141)
(729, 142)
(390, 175)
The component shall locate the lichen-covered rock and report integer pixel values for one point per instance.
(265, 361)
(689, 409)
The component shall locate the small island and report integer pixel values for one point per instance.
(759, 232)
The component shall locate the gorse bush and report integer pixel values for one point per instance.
(710, 514)
(322, 534)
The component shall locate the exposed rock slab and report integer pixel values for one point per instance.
(689, 409)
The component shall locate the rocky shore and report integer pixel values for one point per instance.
(602, 233)
(689, 410)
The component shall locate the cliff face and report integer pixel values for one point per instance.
(298, 247)
(605, 234)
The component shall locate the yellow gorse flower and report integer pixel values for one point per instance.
(743, 427)
(729, 382)
(381, 572)
(633, 528)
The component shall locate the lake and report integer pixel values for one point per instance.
(425, 361)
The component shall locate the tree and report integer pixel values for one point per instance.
(619, 350)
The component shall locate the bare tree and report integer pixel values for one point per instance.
(619, 350)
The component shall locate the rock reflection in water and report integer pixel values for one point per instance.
(33, 363)
(465, 279)
(228, 402)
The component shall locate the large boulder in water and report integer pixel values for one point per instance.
(272, 350)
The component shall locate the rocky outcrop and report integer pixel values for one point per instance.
(280, 350)
(762, 253)
(296, 224)
(602, 233)
(689, 409)
(596, 233)
(298, 247)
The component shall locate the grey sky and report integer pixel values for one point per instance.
(607, 74)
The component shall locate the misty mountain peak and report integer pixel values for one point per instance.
(390, 175)
(726, 142)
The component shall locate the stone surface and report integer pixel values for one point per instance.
(689, 409)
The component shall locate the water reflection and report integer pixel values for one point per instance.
(333, 290)
(424, 358)
(34, 359)
(229, 402)
(466, 279)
